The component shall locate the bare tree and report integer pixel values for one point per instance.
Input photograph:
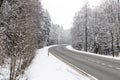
(86, 31)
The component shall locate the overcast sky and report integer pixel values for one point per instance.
(63, 11)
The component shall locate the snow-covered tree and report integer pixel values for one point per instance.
(102, 28)
(55, 34)
(19, 28)
(81, 30)
(44, 29)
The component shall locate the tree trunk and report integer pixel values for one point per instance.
(86, 30)
(1, 2)
(112, 46)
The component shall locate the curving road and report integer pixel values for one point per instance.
(99, 67)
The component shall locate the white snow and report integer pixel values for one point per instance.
(110, 57)
(4, 72)
(46, 67)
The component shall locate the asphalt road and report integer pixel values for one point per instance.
(99, 67)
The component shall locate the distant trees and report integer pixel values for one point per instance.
(80, 31)
(65, 37)
(58, 35)
(44, 28)
(103, 29)
(55, 34)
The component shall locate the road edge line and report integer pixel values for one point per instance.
(75, 67)
(92, 77)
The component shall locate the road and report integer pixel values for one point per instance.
(99, 67)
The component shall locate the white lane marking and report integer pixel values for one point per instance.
(93, 78)
(70, 64)
(118, 68)
(103, 64)
(109, 65)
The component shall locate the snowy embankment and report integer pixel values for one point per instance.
(110, 57)
(4, 72)
(46, 67)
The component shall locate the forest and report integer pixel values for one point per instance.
(26, 26)
(97, 29)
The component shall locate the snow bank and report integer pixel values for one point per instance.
(51, 68)
(4, 72)
(110, 57)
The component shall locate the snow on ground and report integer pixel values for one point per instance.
(46, 67)
(4, 72)
(110, 57)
